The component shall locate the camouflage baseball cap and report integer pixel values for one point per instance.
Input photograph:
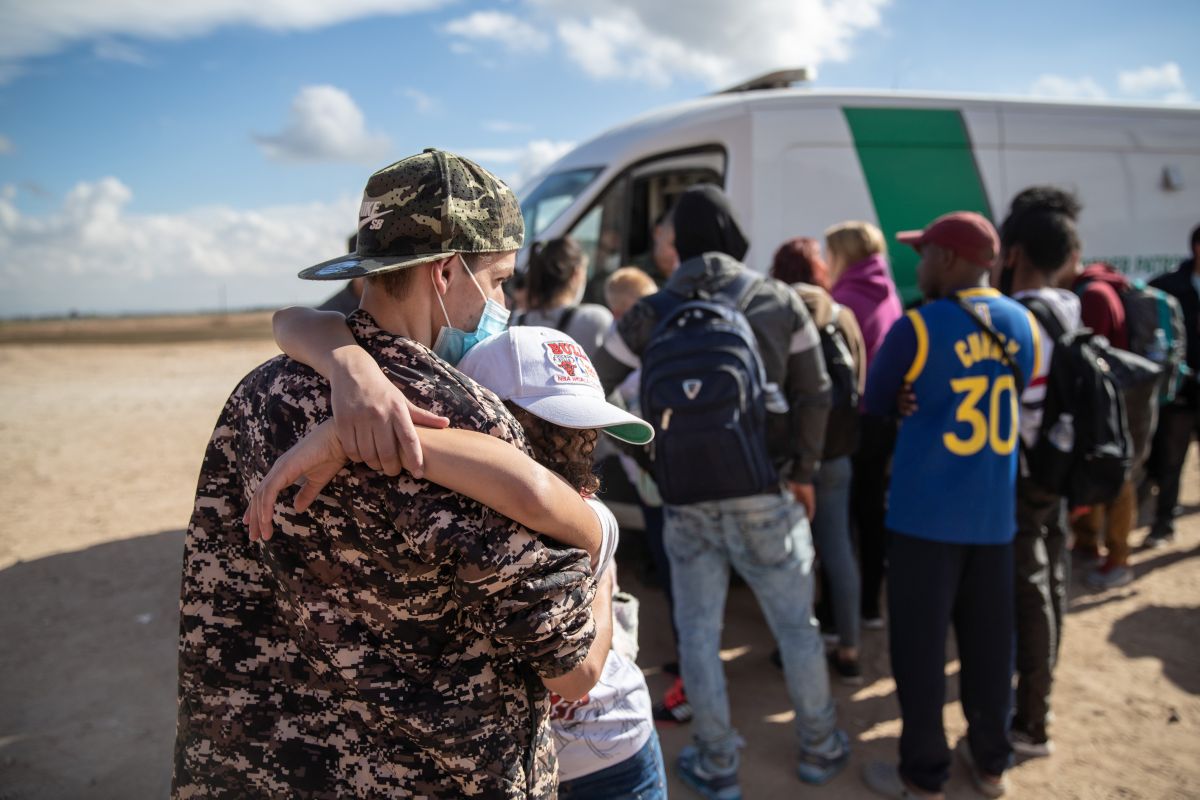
(425, 207)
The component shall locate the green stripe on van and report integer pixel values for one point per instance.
(918, 165)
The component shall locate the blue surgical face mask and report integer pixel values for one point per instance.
(452, 344)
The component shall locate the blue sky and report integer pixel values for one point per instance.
(152, 158)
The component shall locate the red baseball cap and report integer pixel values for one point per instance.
(967, 234)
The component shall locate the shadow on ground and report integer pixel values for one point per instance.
(1169, 634)
(104, 731)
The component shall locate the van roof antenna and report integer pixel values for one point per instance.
(779, 79)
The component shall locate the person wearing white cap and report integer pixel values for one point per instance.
(606, 743)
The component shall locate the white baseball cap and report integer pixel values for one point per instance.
(546, 372)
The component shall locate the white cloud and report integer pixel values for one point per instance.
(1164, 83)
(325, 125)
(422, 103)
(30, 29)
(517, 165)
(92, 245)
(6, 145)
(714, 41)
(1059, 87)
(504, 126)
(111, 50)
(1157, 83)
(496, 26)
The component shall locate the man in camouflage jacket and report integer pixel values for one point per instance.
(394, 642)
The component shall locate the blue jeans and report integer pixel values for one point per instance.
(639, 777)
(767, 540)
(831, 536)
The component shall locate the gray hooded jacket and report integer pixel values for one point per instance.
(788, 342)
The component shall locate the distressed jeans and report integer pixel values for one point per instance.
(766, 538)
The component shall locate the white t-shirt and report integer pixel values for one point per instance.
(610, 534)
(613, 721)
(1064, 305)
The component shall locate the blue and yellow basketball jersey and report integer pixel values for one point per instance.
(955, 464)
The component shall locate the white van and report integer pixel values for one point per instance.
(795, 161)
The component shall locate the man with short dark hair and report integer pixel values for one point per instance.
(1179, 421)
(1040, 252)
(401, 640)
(964, 356)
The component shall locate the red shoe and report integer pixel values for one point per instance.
(674, 709)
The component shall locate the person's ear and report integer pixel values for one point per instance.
(442, 274)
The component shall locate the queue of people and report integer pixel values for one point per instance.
(411, 634)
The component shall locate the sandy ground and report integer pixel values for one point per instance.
(99, 450)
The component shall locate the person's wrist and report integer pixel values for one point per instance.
(352, 364)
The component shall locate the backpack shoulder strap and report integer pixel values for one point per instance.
(995, 336)
(564, 319)
(1045, 317)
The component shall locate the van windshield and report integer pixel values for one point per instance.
(552, 196)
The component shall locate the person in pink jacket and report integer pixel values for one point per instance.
(863, 279)
(863, 283)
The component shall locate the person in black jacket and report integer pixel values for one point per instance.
(1179, 420)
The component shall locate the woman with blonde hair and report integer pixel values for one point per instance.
(862, 281)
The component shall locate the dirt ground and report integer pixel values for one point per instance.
(99, 450)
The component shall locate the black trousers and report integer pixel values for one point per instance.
(1042, 575)
(868, 504)
(1176, 424)
(932, 585)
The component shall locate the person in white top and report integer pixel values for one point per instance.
(555, 283)
(605, 740)
(1039, 252)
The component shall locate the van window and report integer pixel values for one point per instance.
(600, 232)
(618, 229)
(552, 196)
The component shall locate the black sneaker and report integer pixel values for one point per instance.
(1158, 538)
(847, 669)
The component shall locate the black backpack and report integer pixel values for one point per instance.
(1157, 331)
(1084, 450)
(841, 429)
(704, 391)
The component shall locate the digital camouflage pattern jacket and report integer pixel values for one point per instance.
(388, 642)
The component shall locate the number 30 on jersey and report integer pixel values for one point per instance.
(978, 392)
